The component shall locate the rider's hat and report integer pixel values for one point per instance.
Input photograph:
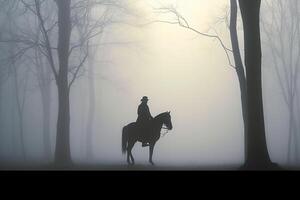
(144, 98)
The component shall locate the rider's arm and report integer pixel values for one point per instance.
(139, 111)
(149, 114)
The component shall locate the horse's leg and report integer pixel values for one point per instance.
(132, 159)
(151, 148)
(129, 155)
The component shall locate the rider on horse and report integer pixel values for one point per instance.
(143, 119)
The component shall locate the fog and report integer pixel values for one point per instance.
(179, 70)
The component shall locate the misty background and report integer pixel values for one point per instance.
(180, 71)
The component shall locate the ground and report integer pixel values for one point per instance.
(124, 167)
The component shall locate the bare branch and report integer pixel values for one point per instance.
(75, 75)
(182, 22)
(46, 38)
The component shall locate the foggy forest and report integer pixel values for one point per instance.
(150, 84)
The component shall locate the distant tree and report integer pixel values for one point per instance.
(29, 53)
(83, 27)
(13, 70)
(73, 31)
(281, 31)
(44, 79)
(87, 24)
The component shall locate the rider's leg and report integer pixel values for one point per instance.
(144, 143)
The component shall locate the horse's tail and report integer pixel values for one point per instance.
(124, 139)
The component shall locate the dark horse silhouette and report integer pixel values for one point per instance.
(131, 134)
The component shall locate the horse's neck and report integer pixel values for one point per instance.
(158, 123)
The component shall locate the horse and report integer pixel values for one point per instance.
(131, 134)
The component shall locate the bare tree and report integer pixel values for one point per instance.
(239, 67)
(44, 84)
(63, 149)
(85, 23)
(257, 154)
(71, 43)
(235, 52)
(90, 29)
(83, 27)
(18, 95)
(281, 30)
(60, 71)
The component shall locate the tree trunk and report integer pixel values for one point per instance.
(1, 95)
(239, 69)
(62, 150)
(44, 80)
(18, 106)
(297, 124)
(19, 111)
(292, 142)
(46, 105)
(296, 148)
(257, 153)
(91, 109)
(1, 123)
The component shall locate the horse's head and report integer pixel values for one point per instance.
(167, 120)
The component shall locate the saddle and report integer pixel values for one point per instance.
(144, 130)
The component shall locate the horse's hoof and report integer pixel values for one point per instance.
(152, 163)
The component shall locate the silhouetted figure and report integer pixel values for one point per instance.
(143, 120)
(131, 134)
